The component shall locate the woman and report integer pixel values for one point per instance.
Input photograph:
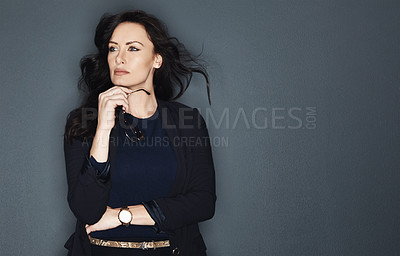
(139, 165)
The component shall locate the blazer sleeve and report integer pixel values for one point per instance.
(87, 194)
(197, 203)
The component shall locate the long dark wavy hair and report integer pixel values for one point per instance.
(175, 72)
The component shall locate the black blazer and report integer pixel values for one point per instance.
(191, 198)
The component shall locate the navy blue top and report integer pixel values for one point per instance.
(144, 170)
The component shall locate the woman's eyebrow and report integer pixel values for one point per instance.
(132, 42)
(128, 43)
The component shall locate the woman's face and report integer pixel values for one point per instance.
(131, 57)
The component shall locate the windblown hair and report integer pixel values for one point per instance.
(175, 72)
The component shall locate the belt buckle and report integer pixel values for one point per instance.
(144, 246)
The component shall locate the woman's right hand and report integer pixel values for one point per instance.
(109, 220)
(108, 101)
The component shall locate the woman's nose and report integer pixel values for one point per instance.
(120, 59)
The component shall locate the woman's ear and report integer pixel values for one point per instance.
(157, 61)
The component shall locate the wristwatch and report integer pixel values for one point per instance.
(125, 216)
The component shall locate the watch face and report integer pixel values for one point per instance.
(125, 216)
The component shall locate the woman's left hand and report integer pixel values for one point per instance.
(108, 221)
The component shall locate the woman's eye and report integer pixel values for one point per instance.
(132, 48)
(111, 49)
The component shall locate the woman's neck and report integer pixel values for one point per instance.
(142, 105)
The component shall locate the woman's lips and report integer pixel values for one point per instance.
(120, 72)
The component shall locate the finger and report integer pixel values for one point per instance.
(108, 90)
(118, 102)
(118, 87)
(117, 90)
(112, 102)
(116, 97)
(121, 89)
(127, 90)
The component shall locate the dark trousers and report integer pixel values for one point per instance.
(110, 251)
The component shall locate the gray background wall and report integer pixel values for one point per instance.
(290, 181)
